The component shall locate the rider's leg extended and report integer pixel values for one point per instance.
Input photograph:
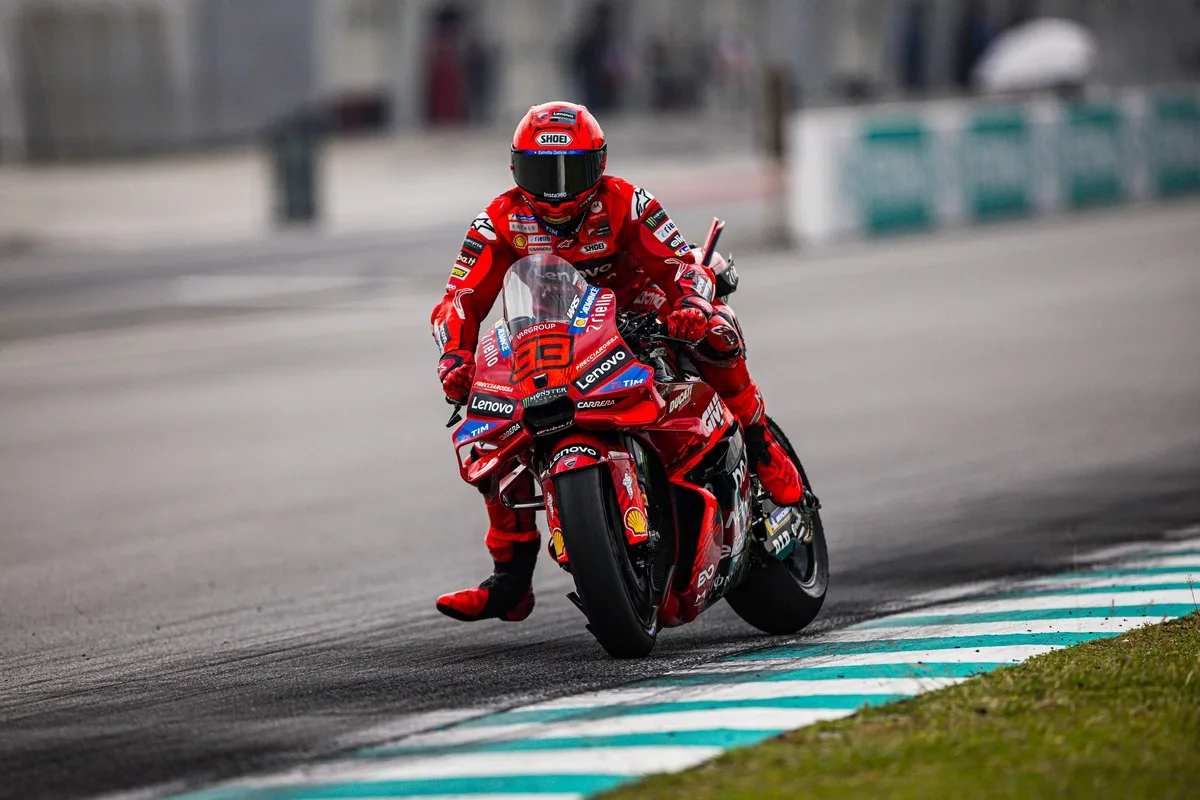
(722, 361)
(513, 541)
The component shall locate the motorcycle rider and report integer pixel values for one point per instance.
(616, 235)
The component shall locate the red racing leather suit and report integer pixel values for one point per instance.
(627, 243)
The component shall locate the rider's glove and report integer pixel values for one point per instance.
(456, 371)
(689, 319)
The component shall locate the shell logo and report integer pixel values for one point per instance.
(519, 240)
(635, 521)
(556, 544)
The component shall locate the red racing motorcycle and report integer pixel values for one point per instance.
(649, 499)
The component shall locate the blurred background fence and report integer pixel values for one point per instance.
(869, 170)
(87, 78)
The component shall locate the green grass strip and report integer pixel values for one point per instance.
(1116, 717)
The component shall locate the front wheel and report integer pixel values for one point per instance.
(616, 594)
(782, 597)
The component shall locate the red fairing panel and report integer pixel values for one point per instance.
(491, 434)
(683, 607)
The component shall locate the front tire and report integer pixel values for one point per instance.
(782, 597)
(616, 596)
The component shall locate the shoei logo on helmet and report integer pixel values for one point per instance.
(554, 139)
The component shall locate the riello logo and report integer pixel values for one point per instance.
(554, 139)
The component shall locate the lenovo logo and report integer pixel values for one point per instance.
(605, 366)
(486, 405)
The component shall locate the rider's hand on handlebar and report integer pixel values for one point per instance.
(689, 319)
(456, 371)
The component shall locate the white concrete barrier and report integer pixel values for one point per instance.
(870, 170)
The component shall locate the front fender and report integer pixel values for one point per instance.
(583, 451)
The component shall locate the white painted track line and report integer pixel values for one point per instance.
(1066, 600)
(743, 719)
(769, 690)
(1071, 625)
(581, 761)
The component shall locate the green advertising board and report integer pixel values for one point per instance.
(1173, 143)
(1092, 155)
(996, 163)
(892, 172)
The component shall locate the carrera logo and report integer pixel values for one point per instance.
(586, 404)
(594, 247)
(554, 139)
(576, 450)
(486, 405)
(605, 366)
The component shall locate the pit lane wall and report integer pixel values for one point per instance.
(870, 170)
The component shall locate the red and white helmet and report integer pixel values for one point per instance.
(558, 157)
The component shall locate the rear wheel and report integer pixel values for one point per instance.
(617, 596)
(784, 596)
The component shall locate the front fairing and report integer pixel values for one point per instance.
(555, 361)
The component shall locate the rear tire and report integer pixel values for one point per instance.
(618, 601)
(782, 597)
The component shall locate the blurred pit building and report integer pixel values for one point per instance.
(93, 78)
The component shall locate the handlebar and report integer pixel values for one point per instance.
(644, 330)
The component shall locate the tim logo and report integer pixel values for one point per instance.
(554, 139)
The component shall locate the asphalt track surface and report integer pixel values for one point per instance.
(223, 525)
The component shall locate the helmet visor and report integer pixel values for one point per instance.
(557, 175)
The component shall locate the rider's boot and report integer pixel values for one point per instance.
(506, 594)
(775, 470)
(722, 355)
(513, 541)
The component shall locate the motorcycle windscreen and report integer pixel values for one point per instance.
(540, 289)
